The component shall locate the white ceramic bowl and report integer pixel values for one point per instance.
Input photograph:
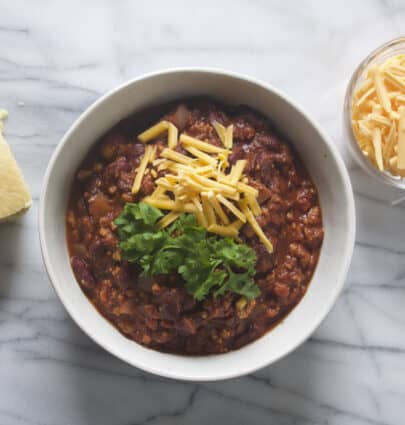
(319, 155)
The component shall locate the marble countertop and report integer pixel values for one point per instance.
(56, 58)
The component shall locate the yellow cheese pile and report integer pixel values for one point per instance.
(378, 115)
(197, 182)
(14, 194)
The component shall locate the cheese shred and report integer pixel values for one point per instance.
(168, 219)
(259, 232)
(378, 119)
(141, 169)
(401, 139)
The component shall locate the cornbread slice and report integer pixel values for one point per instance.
(15, 197)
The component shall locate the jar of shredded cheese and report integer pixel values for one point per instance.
(374, 113)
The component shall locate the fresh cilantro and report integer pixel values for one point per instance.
(207, 263)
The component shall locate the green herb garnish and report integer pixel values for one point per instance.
(208, 264)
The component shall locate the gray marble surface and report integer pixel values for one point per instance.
(56, 58)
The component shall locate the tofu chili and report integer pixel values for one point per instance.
(193, 227)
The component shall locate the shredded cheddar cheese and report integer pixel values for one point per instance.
(378, 119)
(159, 128)
(217, 208)
(201, 182)
(205, 158)
(177, 157)
(237, 171)
(229, 137)
(168, 219)
(255, 225)
(227, 231)
(253, 204)
(378, 148)
(221, 131)
(231, 207)
(141, 169)
(198, 144)
(208, 209)
(225, 134)
(401, 139)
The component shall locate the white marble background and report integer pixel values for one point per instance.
(56, 58)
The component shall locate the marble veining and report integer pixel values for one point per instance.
(56, 58)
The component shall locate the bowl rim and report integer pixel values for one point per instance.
(347, 253)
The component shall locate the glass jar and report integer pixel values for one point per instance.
(379, 55)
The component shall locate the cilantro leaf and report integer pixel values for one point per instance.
(208, 264)
(141, 211)
(237, 255)
(135, 218)
(165, 261)
(140, 244)
(240, 283)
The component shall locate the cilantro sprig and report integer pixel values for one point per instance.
(208, 264)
